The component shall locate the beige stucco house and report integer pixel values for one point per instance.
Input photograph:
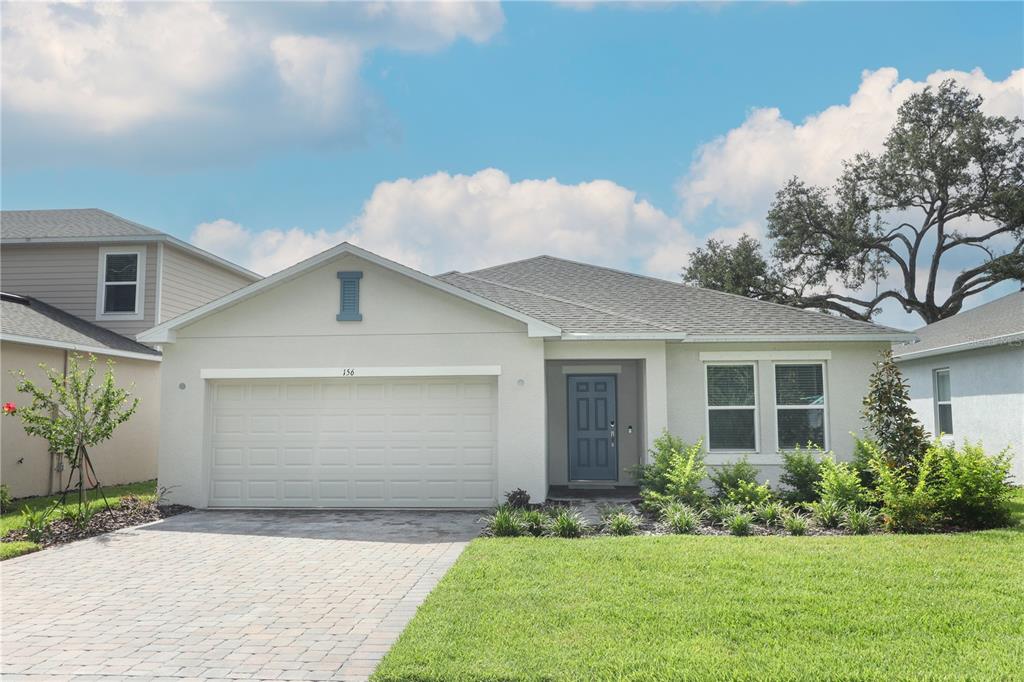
(349, 380)
(86, 281)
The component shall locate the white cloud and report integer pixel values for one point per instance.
(442, 222)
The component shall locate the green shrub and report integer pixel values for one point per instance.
(34, 523)
(623, 523)
(721, 512)
(534, 521)
(891, 422)
(506, 522)
(727, 477)
(675, 474)
(680, 518)
(654, 476)
(972, 488)
(801, 471)
(749, 494)
(5, 499)
(567, 523)
(906, 507)
(770, 513)
(795, 524)
(864, 450)
(741, 523)
(840, 484)
(859, 521)
(827, 513)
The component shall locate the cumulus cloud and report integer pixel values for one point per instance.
(200, 81)
(442, 222)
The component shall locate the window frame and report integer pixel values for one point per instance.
(823, 407)
(937, 402)
(755, 408)
(140, 284)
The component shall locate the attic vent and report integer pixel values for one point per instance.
(350, 297)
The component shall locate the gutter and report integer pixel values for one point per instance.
(1012, 339)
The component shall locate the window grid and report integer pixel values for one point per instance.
(107, 284)
(780, 407)
(709, 408)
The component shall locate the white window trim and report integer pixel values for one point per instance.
(140, 284)
(935, 392)
(755, 408)
(824, 387)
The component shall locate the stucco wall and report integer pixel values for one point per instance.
(987, 389)
(405, 324)
(131, 455)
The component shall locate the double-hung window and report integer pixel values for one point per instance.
(943, 402)
(732, 407)
(800, 405)
(120, 279)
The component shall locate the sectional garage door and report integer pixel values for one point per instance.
(408, 442)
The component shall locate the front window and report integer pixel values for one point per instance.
(732, 407)
(943, 402)
(120, 283)
(800, 405)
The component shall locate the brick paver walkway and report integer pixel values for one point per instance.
(226, 595)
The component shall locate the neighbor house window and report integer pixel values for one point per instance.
(800, 405)
(121, 276)
(732, 407)
(943, 402)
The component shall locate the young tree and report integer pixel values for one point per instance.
(891, 422)
(73, 415)
(948, 182)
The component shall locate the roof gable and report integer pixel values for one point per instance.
(1001, 320)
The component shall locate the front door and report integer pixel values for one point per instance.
(593, 452)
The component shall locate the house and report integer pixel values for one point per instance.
(86, 280)
(349, 380)
(966, 376)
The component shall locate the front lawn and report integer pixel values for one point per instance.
(698, 607)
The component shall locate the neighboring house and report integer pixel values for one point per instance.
(349, 380)
(966, 376)
(85, 281)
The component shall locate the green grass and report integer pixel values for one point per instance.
(707, 608)
(12, 519)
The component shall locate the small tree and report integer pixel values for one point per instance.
(73, 415)
(891, 422)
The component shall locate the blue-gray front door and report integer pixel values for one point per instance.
(593, 451)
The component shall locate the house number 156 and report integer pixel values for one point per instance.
(348, 372)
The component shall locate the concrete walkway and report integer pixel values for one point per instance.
(226, 595)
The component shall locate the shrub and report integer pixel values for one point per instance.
(749, 494)
(770, 513)
(654, 476)
(676, 474)
(891, 422)
(827, 513)
(972, 488)
(78, 516)
(740, 524)
(864, 449)
(567, 523)
(506, 522)
(34, 523)
(801, 471)
(680, 518)
(5, 499)
(795, 524)
(534, 521)
(721, 512)
(623, 523)
(906, 508)
(859, 521)
(840, 484)
(728, 476)
(517, 499)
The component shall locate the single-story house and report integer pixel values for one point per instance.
(349, 380)
(966, 376)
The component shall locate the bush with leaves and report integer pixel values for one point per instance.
(675, 474)
(795, 524)
(534, 521)
(623, 523)
(505, 522)
(864, 450)
(740, 524)
(907, 497)
(5, 499)
(680, 518)
(567, 523)
(721, 512)
(749, 494)
(890, 420)
(971, 488)
(827, 513)
(801, 471)
(771, 513)
(840, 484)
(728, 477)
(34, 522)
(859, 521)
(518, 498)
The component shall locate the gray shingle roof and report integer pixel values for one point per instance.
(589, 299)
(24, 316)
(68, 223)
(1001, 319)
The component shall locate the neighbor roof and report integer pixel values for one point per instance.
(586, 299)
(999, 321)
(28, 320)
(76, 225)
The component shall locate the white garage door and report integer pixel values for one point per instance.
(409, 442)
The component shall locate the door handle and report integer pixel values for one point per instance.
(611, 433)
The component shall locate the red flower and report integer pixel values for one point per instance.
(10, 408)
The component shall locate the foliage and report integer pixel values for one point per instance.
(945, 164)
(740, 524)
(675, 473)
(623, 523)
(517, 499)
(5, 499)
(907, 506)
(680, 518)
(827, 513)
(721, 512)
(79, 516)
(899, 436)
(801, 471)
(770, 513)
(864, 449)
(795, 524)
(506, 521)
(567, 523)
(11, 520)
(859, 521)
(534, 521)
(749, 494)
(727, 477)
(972, 489)
(840, 484)
(34, 522)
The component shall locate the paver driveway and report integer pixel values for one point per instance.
(226, 595)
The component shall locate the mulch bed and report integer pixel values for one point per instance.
(129, 511)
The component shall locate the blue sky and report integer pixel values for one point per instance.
(317, 123)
